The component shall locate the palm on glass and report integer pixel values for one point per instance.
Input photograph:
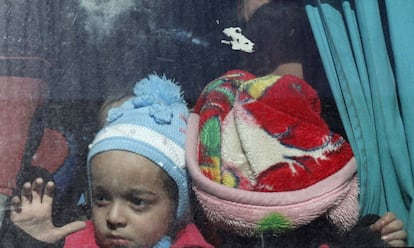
(32, 212)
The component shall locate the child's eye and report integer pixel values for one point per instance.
(101, 199)
(139, 204)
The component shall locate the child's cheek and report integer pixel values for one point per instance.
(99, 221)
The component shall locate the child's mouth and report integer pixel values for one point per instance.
(118, 241)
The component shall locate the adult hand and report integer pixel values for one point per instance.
(391, 230)
(32, 212)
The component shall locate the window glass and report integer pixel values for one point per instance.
(60, 60)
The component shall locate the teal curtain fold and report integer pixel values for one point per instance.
(369, 63)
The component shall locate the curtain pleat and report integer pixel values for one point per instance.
(373, 91)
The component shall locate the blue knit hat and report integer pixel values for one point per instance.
(151, 123)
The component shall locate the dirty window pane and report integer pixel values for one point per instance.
(60, 60)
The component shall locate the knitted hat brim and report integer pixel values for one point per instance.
(246, 219)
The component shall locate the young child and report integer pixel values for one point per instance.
(268, 172)
(138, 181)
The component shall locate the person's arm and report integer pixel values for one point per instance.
(391, 230)
(31, 218)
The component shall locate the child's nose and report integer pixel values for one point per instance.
(116, 216)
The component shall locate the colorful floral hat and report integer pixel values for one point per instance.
(262, 159)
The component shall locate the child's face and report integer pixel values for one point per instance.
(131, 207)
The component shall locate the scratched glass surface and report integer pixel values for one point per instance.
(60, 60)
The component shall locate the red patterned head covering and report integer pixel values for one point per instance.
(262, 159)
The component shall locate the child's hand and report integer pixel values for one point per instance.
(32, 212)
(391, 230)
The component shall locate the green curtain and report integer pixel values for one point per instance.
(369, 61)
